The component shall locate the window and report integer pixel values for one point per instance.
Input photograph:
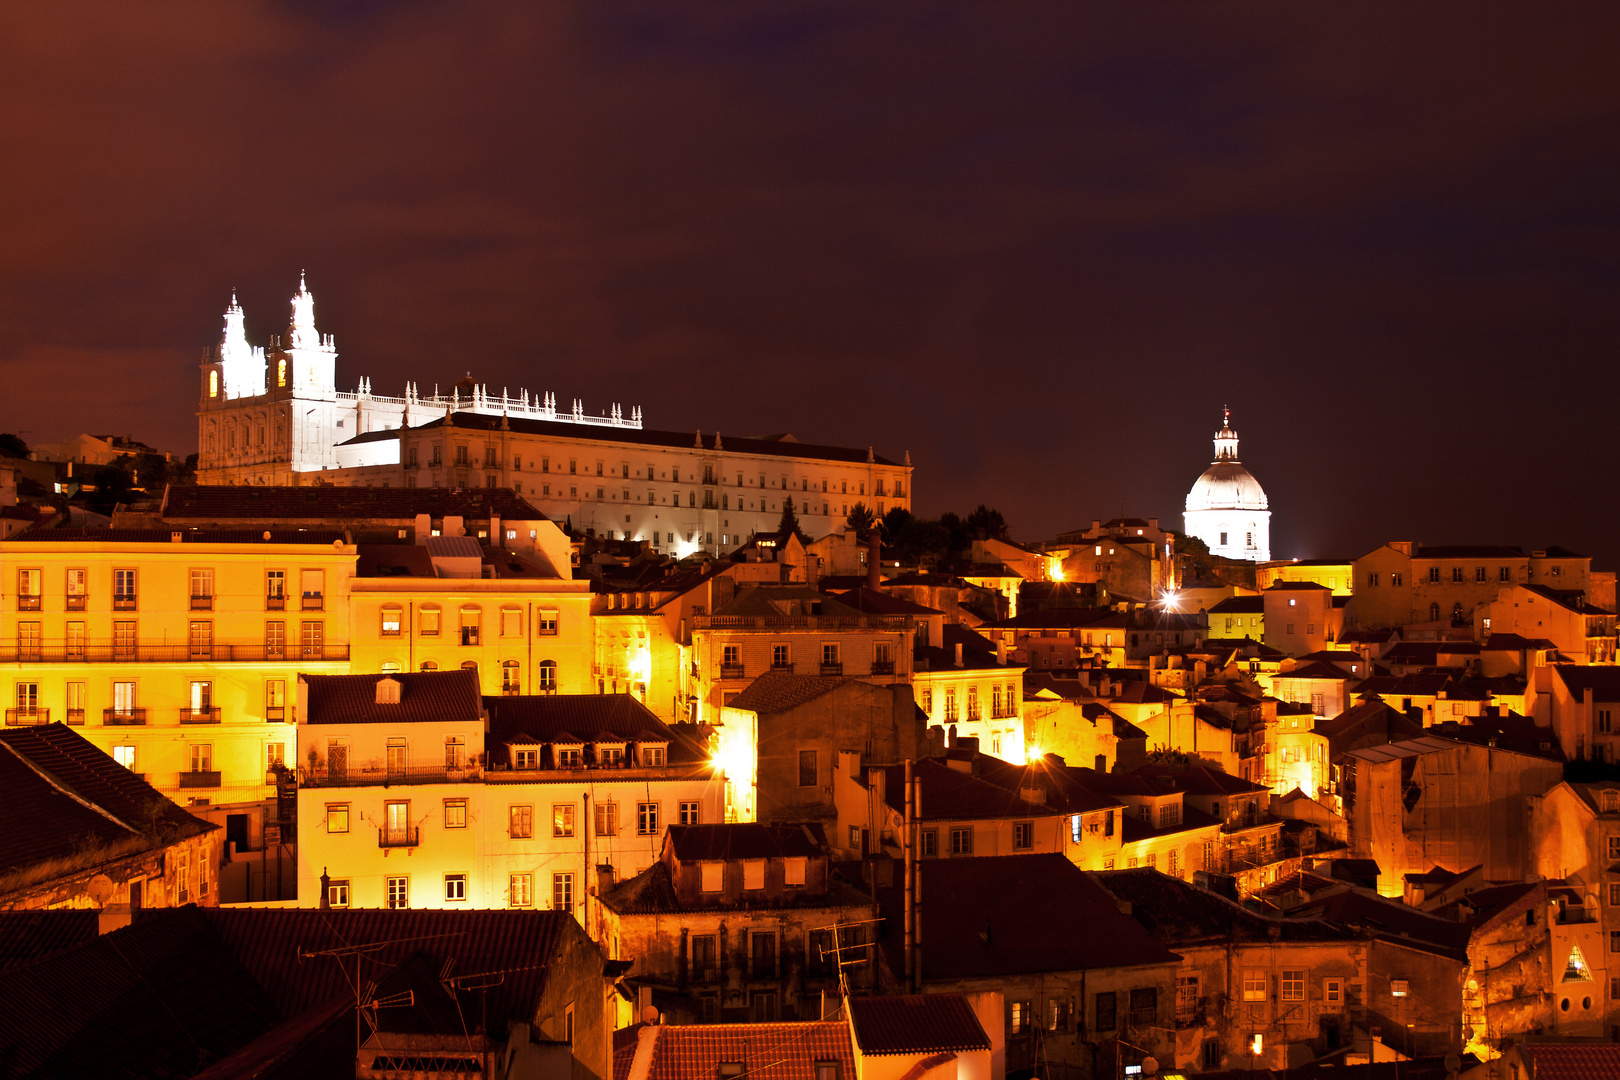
(337, 893)
(200, 636)
(1479, 574)
(1333, 992)
(562, 892)
(962, 841)
(275, 699)
(392, 617)
(781, 656)
(1018, 1013)
(397, 891)
(202, 757)
(689, 812)
(123, 590)
(312, 585)
(762, 948)
(562, 819)
(520, 822)
(28, 589)
(455, 813)
(1396, 578)
(511, 680)
(1456, 575)
(1434, 575)
(427, 622)
(1372, 579)
(1107, 1011)
(125, 756)
(1254, 985)
(398, 757)
(547, 672)
(471, 619)
(647, 819)
(567, 757)
(928, 843)
(1023, 835)
(511, 622)
(520, 890)
(1144, 1006)
(1293, 984)
(312, 640)
(202, 590)
(652, 756)
(455, 887)
(826, 1070)
(607, 819)
(1186, 995)
(793, 870)
(275, 756)
(546, 622)
(1169, 814)
(124, 700)
(807, 768)
(1503, 574)
(1614, 847)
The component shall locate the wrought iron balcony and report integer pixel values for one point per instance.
(75, 716)
(123, 717)
(314, 602)
(76, 602)
(732, 671)
(27, 716)
(27, 603)
(389, 838)
(198, 778)
(832, 667)
(199, 716)
(202, 603)
(124, 602)
(883, 667)
(121, 652)
(275, 603)
(782, 665)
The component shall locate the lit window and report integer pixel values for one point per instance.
(562, 892)
(520, 822)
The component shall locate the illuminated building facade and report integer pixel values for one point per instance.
(1227, 508)
(418, 792)
(274, 416)
(177, 653)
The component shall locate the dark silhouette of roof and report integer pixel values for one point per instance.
(316, 537)
(779, 691)
(915, 1023)
(745, 840)
(1181, 914)
(765, 1051)
(224, 502)
(424, 696)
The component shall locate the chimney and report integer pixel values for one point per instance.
(496, 537)
(874, 559)
(326, 890)
(1001, 652)
(605, 878)
(958, 654)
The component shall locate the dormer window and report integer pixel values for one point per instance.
(1611, 801)
(526, 758)
(610, 755)
(652, 755)
(388, 691)
(569, 757)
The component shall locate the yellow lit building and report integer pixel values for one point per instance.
(448, 603)
(175, 652)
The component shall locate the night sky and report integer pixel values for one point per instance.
(1036, 245)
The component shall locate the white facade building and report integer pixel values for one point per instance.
(1227, 508)
(274, 416)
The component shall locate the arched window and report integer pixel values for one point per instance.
(548, 676)
(469, 665)
(1434, 612)
(281, 372)
(392, 616)
(390, 667)
(471, 619)
(511, 681)
(430, 665)
(213, 384)
(427, 620)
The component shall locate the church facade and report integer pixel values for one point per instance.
(1227, 508)
(274, 416)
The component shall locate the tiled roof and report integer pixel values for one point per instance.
(393, 560)
(765, 1051)
(1316, 669)
(915, 1023)
(1181, 914)
(583, 718)
(675, 440)
(996, 915)
(745, 840)
(1201, 780)
(25, 935)
(1574, 1062)
(1240, 605)
(1569, 599)
(779, 691)
(315, 537)
(1479, 907)
(1467, 551)
(72, 794)
(225, 502)
(1296, 586)
(424, 696)
(1392, 921)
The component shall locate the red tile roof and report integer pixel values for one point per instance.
(915, 1023)
(746, 840)
(765, 1051)
(350, 504)
(778, 691)
(1572, 1062)
(424, 696)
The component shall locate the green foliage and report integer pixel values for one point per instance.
(1180, 759)
(12, 445)
(987, 521)
(860, 519)
(790, 521)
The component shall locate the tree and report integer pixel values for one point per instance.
(895, 522)
(12, 445)
(790, 521)
(987, 521)
(860, 519)
(1180, 759)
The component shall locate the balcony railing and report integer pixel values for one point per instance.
(27, 603)
(321, 776)
(123, 717)
(1005, 712)
(27, 716)
(705, 973)
(199, 716)
(202, 603)
(782, 665)
(124, 602)
(732, 671)
(75, 716)
(803, 622)
(398, 837)
(76, 602)
(314, 602)
(198, 778)
(108, 652)
(832, 667)
(275, 603)
(275, 714)
(883, 667)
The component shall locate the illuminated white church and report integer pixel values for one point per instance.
(274, 416)
(1227, 508)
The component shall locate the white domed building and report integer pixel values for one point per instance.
(1226, 508)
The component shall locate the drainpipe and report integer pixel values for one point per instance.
(910, 883)
(585, 894)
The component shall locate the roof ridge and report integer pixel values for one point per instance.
(52, 780)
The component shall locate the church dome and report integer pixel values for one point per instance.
(1226, 484)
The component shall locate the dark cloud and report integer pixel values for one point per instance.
(1037, 246)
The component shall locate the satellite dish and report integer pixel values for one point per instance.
(99, 889)
(649, 1014)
